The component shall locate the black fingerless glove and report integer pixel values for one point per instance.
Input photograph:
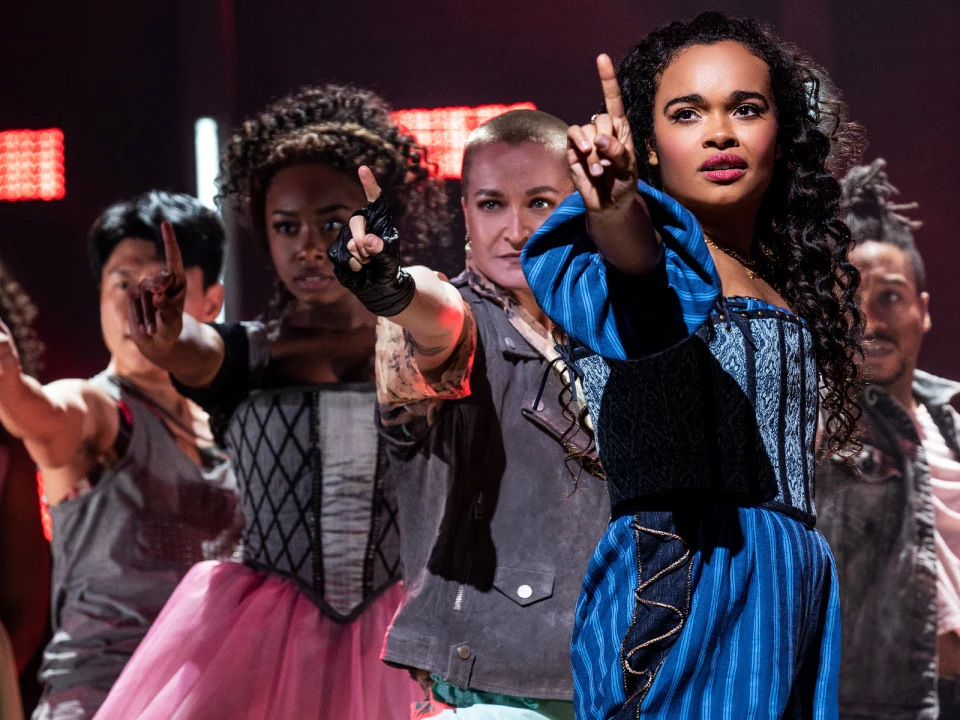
(382, 286)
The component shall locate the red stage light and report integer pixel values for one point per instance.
(444, 131)
(45, 520)
(31, 165)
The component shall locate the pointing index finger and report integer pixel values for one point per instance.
(171, 249)
(611, 88)
(369, 183)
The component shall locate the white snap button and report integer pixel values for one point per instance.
(524, 591)
(509, 343)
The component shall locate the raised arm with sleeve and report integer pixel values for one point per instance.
(620, 266)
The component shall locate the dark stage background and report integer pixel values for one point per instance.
(125, 81)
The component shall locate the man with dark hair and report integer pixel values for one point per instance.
(892, 511)
(199, 232)
(137, 490)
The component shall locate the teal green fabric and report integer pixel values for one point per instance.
(479, 705)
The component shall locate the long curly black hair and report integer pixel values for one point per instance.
(18, 313)
(343, 126)
(801, 242)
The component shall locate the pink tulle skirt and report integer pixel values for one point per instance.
(240, 644)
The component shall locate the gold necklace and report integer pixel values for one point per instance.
(748, 265)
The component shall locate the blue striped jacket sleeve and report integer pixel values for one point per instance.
(616, 315)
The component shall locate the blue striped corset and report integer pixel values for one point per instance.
(731, 409)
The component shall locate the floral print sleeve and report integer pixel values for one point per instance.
(403, 393)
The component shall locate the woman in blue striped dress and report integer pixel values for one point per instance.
(701, 273)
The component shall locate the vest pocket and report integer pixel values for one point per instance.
(524, 587)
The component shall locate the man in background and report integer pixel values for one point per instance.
(895, 526)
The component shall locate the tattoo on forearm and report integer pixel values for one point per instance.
(426, 351)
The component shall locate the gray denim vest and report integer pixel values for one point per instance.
(118, 553)
(494, 540)
(879, 521)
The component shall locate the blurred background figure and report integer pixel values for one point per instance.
(11, 707)
(892, 511)
(137, 490)
(24, 552)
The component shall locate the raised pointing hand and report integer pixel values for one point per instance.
(155, 308)
(366, 255)
(363, 244)
(601, 153)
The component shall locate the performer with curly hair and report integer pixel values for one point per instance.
(703, 267)
(24, 552)
(297, 629)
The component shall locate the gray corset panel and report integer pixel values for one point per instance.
(722, 411)
(317, 508)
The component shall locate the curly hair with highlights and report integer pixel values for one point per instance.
(18, 313)
(801, 242)
(342, 126)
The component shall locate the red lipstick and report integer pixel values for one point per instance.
(724, 167)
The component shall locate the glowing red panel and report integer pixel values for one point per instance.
(444, 131)
(31, 165)
(45, 518)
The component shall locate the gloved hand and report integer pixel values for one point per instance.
(366, 255)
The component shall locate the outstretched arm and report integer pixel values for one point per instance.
(189, 350)
(434, 319)
(597, 266)
(59, 423)
(367, 260)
